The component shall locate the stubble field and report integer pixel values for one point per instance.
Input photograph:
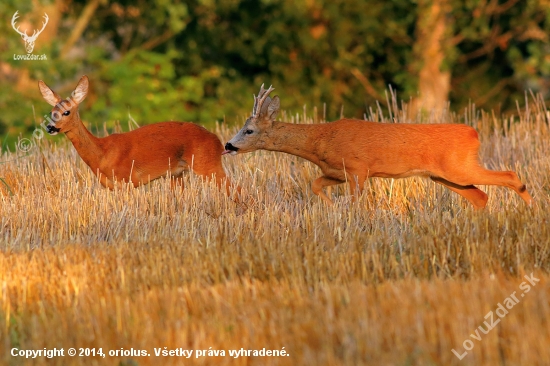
(401, 277)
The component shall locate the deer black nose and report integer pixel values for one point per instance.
(52, 129)
(230, 147)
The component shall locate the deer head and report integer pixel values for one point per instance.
(29, 40)
(64, 115)
(253, 135)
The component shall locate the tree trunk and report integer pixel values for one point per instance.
(432, 36)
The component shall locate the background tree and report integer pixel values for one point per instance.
(431, 50)
(488, 52)
(202, 60)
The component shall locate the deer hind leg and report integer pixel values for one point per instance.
(105, 182)
(208, 171)
(176, 175)
(477, 197)
(481, 176)
(176, 182)
(222, 180)
(319, 183)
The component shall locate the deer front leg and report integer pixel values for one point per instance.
(356, 185)
(319, 183)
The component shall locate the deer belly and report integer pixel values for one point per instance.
(403, 174)
(398, 170)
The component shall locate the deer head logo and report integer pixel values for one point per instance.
(29, 40)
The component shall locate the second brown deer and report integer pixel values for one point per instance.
(354, 150)
(139, 156)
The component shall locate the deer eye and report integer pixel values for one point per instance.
(249, 132)
(66, 113)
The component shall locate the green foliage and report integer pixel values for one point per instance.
(305, 49)
(201, 60)
(501, 52)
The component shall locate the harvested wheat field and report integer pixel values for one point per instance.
(410, 274)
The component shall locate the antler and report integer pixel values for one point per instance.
(35, 33)
(13, 19)
(260, 99)
(24, 34)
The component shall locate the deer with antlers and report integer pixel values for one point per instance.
(29, 40)
(351, 151)
(139, 156)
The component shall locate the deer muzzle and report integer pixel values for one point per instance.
(52, 130)
(230, 149)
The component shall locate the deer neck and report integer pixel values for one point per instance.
(295, 139)
(87, 145)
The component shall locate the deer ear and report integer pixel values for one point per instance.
(273, 108)
(49, 95)
(81, 90)
(264, 106)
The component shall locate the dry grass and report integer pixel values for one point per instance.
(399, 278)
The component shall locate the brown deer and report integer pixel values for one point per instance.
(139, 156)
(354, 150)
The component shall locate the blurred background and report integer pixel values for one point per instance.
(201, 60)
